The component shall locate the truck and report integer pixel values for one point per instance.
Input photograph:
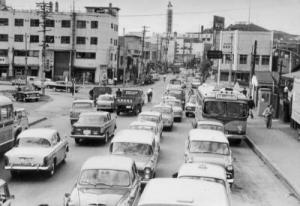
(130, 101)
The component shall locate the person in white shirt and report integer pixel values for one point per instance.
(149, 94)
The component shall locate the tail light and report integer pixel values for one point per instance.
(6, 160)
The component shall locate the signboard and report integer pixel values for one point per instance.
(219, 23)
(214, 54)
(226, 96)
(296, 101)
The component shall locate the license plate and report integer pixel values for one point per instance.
(128, 107)
(86, 132)
(25, 161)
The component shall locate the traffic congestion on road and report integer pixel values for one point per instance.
(126, 149)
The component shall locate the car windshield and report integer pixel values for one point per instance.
(82, 105)
(92, 119)
(143, 127)
(106, 177)
(210, 127)
(33, 142)
(106, 98)
(173, 103)
(148, 118)
(193, 100)
(164, 110)
(214, 108)
(230, 109)
(208, 179)
(209, 147)
(131, 148)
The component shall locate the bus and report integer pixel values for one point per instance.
(6, 124)
(229, 107)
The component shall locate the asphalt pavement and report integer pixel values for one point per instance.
(255, 184)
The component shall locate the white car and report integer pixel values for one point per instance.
(191, 106)
(79, 106)
(209, 124)
(106, 102)
(147, 126)
(176, 106)
(209, 146)
(152, 116)
(167, 114)
(38, 149)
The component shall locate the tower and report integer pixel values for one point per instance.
(169, 18)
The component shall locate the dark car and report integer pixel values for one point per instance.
(26, 93)
(65, 86)
(130, 101)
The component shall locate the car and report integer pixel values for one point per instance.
(94, 125)
(18, 81)
(167, 114)
(106, 180)
(177, 93)
(152, 116)
(192, 105)
(147, 126)
(6, 198)
(176, 106)
(196, 82)
(130, 101)
(140, 146)
(205, 172)
(183, 192)
(210, 146)
(26, 94)
(78, 106)
(106, 102)
(39, 149)
(97, 91)
(65, 86)
(209, 124)
(21, 122)
(155, 76)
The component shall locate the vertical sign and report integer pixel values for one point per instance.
(219, 23)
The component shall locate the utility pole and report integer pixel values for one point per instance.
(26, 58)
(231, 55)
(44, 10)
(252, 72)
(143, 47)
(157, 43)
(278, 89)
(183, 53)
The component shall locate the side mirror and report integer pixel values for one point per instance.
(175, 175)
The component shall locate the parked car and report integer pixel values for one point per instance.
(26, 94)
(21, 122)
(78, 106)
(209, 124)
(177, 107)
(209, 146)
(106, 180)
(183, 192)
(140, 146)
(6, 198)
(94, 125)
(65, 86)
(192, 105)
(18, 81)
(196, 82)
(204, 172)
(38, 149)
(106, 102)
(130, 101)
(167, 114)
(147, 126)
(152, 116)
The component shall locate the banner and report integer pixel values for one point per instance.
(296, 101)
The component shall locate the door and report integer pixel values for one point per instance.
(264, 99)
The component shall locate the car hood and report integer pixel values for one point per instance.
(221, 160)
(190, 105)
(100, 196)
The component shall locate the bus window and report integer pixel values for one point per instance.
(214, 108)
(235, 109)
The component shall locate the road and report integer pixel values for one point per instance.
(254, 183)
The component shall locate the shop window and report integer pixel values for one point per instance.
(34, 39)
(243, 59)
(81, 24)
(19, 38)
(94, 24)
(34, 22)
(3, 22)
(265, 60)
(85, 55)
(3, 37)
(19, 22)
(65, 23)
(65, 40)
(3, 52)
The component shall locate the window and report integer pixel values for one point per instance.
(111, 57)
(34, 39)
(80, 40)
(19, 53)
(33, 53)
(34, 22)
(243, 59)
(3, 22)
(257, 59)
(3, 37)
(81, 24)
(94, 24)
(65, 40)
(19, 38)
(116, 27)
(19, 22)
(3, 52)
(112, 25)
(50, 23)
(94, 40)
(50, 39)
(65, 23)
(265, 60)
(115, 57)
(111, 40)
(85, 55)
(30, 53)
(228, 58)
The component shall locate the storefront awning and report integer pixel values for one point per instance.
(264, 78)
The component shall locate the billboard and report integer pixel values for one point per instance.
(219, 23)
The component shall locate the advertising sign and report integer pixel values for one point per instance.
(219, 23)
(214, 54)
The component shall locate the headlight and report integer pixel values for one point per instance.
(46, 161)
(147, 173)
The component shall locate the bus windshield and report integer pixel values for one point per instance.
(229, 109)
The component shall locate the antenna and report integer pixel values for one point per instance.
(249, 12)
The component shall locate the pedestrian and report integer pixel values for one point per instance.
(251, 106)
(149, 94)
(165, 77)
(244, 92)
(268, 114)
(118, 93)
(285, 92)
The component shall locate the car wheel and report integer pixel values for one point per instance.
(77, 140)
(136, 111)
(52, 170)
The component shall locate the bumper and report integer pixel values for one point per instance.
(82, 136)
(27, 168)
(125, 108)
(190, 112)
(235, 136)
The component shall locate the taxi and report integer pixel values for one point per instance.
(141, 147)
(152, 116)
(78, 106)
(209, 124)
(183, 192)
(167, 114)
(209, 146)
(191, 106)
(176, 106)
(147, 126)
(106, 180)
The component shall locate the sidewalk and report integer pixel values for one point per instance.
(278, 148)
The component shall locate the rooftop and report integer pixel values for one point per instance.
(134, 136)
(245, 27)
(207, 135)
(46, 133)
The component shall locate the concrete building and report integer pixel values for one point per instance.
(83, 43)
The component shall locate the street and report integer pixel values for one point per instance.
(254, 183)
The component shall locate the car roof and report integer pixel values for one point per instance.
(163, 105)
(174, 191)
(19, 109)
(210, 122)
(146, 123)
(133, 135)
(207, 135)
(46, 133)
(202, 170)
(106, 94)
(4, 100)
(108, 162)
(150, 113)
(83, 101)
(98, 113)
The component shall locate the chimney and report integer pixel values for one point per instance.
(56, 6)
(202, 28)
(110, 5)
(51, 6)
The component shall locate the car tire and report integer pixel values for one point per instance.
(77, 141)
(52, 170)
(136, 111)
(140, 108)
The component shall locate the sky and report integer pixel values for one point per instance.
(189, 15)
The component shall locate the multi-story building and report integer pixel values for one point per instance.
(79, 44)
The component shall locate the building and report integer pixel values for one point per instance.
(169, 18)
(79, 44)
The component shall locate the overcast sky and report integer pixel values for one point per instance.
(190, 14)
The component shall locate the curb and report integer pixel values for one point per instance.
(37, 121)
(274, 169)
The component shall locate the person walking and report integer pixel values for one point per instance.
(118, 93)
(165, 77)
(149, 94)
(251, 106)
(268, 114)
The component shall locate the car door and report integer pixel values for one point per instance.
(59, 148)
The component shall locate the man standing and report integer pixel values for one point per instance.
(251, 106)
(118, 93)
(268, 114)
(149, 94)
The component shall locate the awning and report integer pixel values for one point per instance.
(264, 78)
(292, 75)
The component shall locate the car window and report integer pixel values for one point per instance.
(33, 142)
(132, 148)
